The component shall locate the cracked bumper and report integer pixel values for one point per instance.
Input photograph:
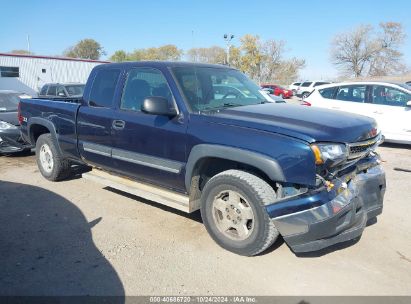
(332, 217)
(11, 141)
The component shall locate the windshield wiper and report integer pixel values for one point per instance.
(231, 104)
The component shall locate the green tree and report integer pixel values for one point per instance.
(251, 58)
(86, 49)
(119, 56)
(165, 52)
(264, 61)
(214, 54)
(21, 52)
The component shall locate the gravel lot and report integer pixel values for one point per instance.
(76, 237)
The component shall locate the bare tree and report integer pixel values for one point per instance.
(363, 52)
(353, 51)
(388, 61)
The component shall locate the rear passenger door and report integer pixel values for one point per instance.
(353, 99)
(94, 122)
(149, 147)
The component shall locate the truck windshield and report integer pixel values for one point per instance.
(208, 89)
(9, 102)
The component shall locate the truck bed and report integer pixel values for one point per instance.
(59, 116)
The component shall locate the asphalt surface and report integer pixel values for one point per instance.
(78, 238)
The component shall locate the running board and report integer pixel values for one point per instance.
(152, 193)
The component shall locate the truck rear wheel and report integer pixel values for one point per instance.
(234, 215)
(50, 162)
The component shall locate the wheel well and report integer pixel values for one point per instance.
(208, 167)
(36, 131)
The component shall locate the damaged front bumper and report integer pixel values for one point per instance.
(321, 218)
(11, 141)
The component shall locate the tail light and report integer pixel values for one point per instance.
(19, 116)
(306, 103)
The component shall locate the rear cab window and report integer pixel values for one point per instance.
(44, 90)
(52, 91)
(61, 92)
(104, 87)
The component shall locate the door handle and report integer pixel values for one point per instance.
(118, 124)
(377, 112)
(336, 108)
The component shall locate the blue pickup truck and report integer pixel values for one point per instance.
(204, 137)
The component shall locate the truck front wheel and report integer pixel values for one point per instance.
(234, 215)
(49, 161)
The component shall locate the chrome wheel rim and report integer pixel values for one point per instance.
(46, 158)
(233, 215)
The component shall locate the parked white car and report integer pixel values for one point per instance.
(388, 103)
(294, 87)
(307, 87)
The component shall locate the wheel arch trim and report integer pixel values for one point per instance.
(45, 123)
(260, 161)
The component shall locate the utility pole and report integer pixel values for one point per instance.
(28, 43)
(228, 38)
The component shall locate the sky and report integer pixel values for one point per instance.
(307, 27)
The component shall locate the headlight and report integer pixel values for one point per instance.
(5, 125)
(329, 153)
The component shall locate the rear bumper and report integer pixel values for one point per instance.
(11, 142)
(336, 216)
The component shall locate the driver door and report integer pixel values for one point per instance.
(145, 146)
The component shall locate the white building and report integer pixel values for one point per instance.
(28, 73)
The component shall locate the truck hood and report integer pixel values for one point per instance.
(305, 123)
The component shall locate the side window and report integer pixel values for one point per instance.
(60, 91)
(327, 92)
(142, 83)
(52, 90)
(306, 84)
(104, 85)
(353, 93)
(320, 83)
(44, 90)
(389, 96)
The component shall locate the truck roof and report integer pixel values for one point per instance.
(162, 64)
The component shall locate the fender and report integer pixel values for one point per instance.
(260, 161)
(45, 123)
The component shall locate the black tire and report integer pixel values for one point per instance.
(305, 95)
(257, 193)
(60, 168)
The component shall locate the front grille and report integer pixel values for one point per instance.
(360, 149)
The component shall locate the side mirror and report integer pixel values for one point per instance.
(156, 105)
(409, 103)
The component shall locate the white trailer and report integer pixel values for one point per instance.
(28, 73)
